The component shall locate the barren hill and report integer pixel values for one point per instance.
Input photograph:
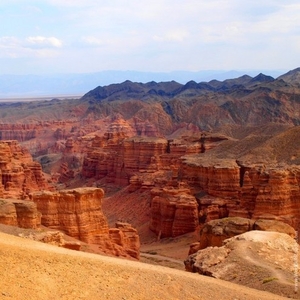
(32, 270)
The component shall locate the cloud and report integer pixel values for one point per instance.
(13, 47)
(92, 41)
(43, 42)
(150, 35)
(8, 41)
(74, 3)
(172, 36)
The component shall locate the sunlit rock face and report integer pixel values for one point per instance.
(19, 213)
(173, 212)
(78, 213)
(226, 188)
(19, 174)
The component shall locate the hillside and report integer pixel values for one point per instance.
(34, 271)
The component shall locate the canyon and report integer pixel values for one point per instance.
(131, 163)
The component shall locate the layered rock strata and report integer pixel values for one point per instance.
(78, 213)
(19, 174)
(125, 237)
(173, 212)
(227, 188)
(19, 213)
(117, 158)
(221, 187)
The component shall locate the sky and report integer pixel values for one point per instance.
(83, 36)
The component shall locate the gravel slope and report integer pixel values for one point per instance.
(33, 270)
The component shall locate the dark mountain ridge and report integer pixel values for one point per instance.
(164, 107)
(168, 90)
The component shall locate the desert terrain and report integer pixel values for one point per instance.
(39, 271)
(141, 171)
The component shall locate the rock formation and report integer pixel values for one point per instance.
(173, 212)
(258, 259)
(226, 188)
(19, 174)
(125, 238)
(78, 213)
(158, 136)
(213, 233)
(19, 213)
(215, 187)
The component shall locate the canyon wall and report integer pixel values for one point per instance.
(188, 186)
(230, 188)
(19, 174)
(173, 212)
(19, 213)
(119, 157)
(78, 213)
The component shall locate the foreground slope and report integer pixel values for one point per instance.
(31, 270)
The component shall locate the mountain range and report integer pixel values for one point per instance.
(77, 84)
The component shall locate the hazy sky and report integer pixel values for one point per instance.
(66, 36)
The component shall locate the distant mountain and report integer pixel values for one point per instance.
(161, 108)
(292, 77)
(241, 86)
(78, 84)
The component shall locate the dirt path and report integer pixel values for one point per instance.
(162, 260)
(276, 274)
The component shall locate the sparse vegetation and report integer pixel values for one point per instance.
(266, 280)
(152, 252)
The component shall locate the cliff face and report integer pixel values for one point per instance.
(118, 158)
(19, 213)
(173, 212)
(152, 164)
(19, 174)
(213, 187)
(19, 132)
(226, 188)
(78, 213)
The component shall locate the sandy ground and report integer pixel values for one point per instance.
(33, 270)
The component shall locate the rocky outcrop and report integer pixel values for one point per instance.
(19, 174)
(19, 132)
(19, 213)
(222, 187)
(258, 259)
(78, 213)
(213, 233)
(274, 225)
(225, 187)
(173, 212)
(125, 239)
